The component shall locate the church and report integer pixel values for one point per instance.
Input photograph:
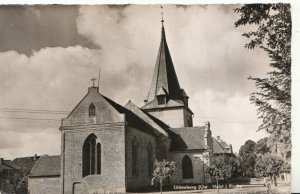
(110, 148)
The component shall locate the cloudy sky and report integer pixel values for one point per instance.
(48, 54)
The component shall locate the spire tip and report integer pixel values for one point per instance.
(162, 16)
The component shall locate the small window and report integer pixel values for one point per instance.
(92, 110)
(161, 100)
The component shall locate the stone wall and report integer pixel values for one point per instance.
(45, 185)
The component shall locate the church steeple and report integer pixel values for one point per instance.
(164, 73)
(166, 101)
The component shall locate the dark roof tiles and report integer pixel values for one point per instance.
(221, 147)
(188, 138)
(164, 73)
(46, 166)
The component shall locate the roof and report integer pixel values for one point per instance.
(221, 147)
(46, 166)
(164, 73)
(146, 118)
(136, 116)
(188, 138)
(8, 165)
(26, 163)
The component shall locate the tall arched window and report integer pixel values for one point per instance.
(92, 110)
(134, 157)
(187, 168)
(91, 156)
(150, 159)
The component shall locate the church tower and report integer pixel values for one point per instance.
(166, 100)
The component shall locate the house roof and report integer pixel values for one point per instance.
(46, 166)
(188, 138)
(8, 164)
(221, 147)
(26, 163)
(164, 73)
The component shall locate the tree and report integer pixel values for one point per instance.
(247, 157)
(162, 170)
(261, 146)
(273, 96)
(223, 167)
(269, 165)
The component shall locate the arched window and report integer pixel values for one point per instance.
(134, 157)
(91, 156)
(150, 159)
(92, 110)
(187, 168)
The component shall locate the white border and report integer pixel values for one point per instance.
(295, 186)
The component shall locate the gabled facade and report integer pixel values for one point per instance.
(93, 146)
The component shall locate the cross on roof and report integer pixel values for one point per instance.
(162, 13)
(93, 80)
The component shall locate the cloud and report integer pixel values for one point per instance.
(208, 53)
(231, 117)
(50, 79)
(29, 28)
(41, 142)
(206, 48)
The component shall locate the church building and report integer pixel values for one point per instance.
(106, 147)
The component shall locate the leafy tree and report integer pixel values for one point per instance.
(226, 165)
(269, 165)
(162, 170)
(261, 146)
(272, 33)
(223, 167)
(247, 157)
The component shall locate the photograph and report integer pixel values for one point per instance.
(146, 98)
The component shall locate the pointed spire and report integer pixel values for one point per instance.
(164, 73)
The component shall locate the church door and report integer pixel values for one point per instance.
(77, 188)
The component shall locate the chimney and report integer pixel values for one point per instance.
(207, 124)
(206, 133)
(35, 157)
(1, 160)
(218, 138)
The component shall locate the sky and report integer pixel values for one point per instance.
(48, 54)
